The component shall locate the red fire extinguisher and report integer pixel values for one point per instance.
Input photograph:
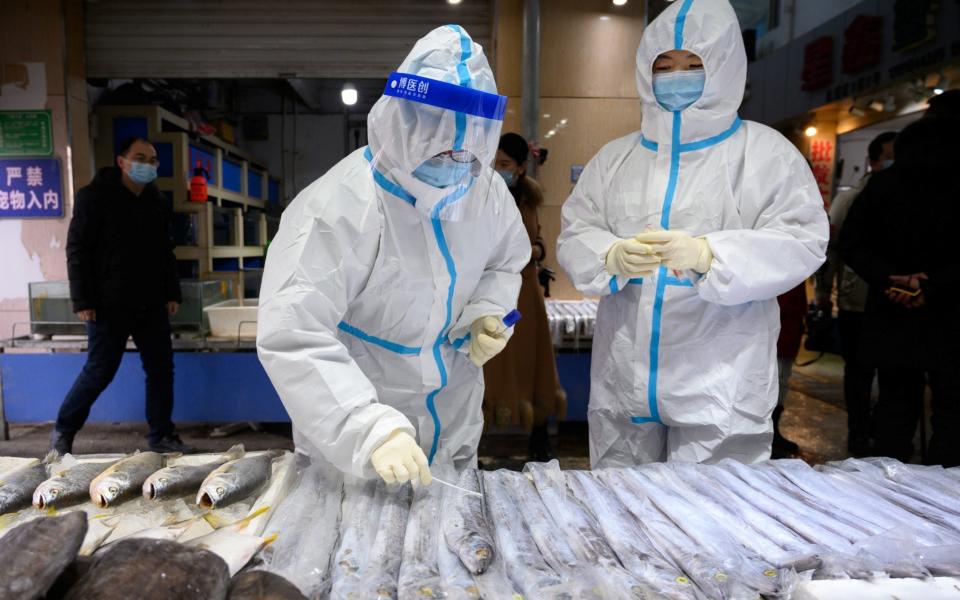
(198, 184)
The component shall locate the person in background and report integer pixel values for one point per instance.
(793, 308)
(900, 236)
(689, 229)
(385, 289)
(522, 386)
(123, 282)
(851, 300)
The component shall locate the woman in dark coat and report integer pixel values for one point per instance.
(522, 386)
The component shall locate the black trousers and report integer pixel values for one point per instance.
(150, 328)
(857, 377)
(901, 406)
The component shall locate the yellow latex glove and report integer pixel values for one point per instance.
(486, 339)
(679, 250)
(400, 459)
(630, 258)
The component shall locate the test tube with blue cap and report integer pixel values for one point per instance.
(511, 319)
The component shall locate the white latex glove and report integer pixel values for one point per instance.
(679, 250)
(630, 258)
(400, 459)
(486, 339)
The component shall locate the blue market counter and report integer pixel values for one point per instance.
(215, 381)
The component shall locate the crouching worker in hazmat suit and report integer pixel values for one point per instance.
(689, 229)
(385, 289)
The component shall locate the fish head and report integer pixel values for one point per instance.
(46, 495)
(105, 492)
(154, 486)
(211, 494)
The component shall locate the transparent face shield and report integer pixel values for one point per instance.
(453, 132)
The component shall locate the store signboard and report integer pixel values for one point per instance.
(26, 133)
(30, 188)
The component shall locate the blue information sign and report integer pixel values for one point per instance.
(30, 188)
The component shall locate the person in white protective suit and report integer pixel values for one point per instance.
(385, 288)
(689, 229)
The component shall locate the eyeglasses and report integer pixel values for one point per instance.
(460, 156)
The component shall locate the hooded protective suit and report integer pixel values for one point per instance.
(684, 365)
(375, 277)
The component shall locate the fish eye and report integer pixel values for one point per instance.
(221, 491)
(54, 492)
(162, 480)
(113, 489)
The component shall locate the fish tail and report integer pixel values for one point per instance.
(270, 539)
(51, 457)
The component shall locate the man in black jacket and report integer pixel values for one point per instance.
(123, 282)
(900, 236)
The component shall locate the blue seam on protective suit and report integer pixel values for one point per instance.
(452, 270)
(385, 183)
(657, 317)
(678, 26)
(679, 282)
(386, 344)
(649, 145)
(458, 343)
(615, 285)
(710, 141)
(465, 81)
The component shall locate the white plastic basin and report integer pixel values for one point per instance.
(233, 318)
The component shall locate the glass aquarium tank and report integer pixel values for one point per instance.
(198, 295)
(51, 310)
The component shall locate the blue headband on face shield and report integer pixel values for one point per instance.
(450, 96)
(677, 90)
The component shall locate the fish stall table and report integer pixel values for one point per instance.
(872, 528)
(217, 380)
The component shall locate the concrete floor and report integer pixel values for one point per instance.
(814, 418)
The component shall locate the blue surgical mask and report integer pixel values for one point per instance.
(677, 90)
(141, 173)
(508, 176)
(442, 171)
(886, 164)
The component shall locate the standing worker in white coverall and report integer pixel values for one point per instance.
(689, 229)
(385, 288)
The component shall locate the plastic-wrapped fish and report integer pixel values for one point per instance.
(181, 480)
(17, 486)
(750, 527)
(465, 525)
(361, 513)
(747, 567)
(383, 562)
(526, 566)
(307, 522)
(634, 548)
(711, 573)
(419, 571)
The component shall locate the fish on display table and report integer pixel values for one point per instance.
(17, 486)
(262, 585)
(70, 486)
(124, 479)
(153, 570)
(237, 479)
(181, 480)
(465, 525)
(34, 554)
